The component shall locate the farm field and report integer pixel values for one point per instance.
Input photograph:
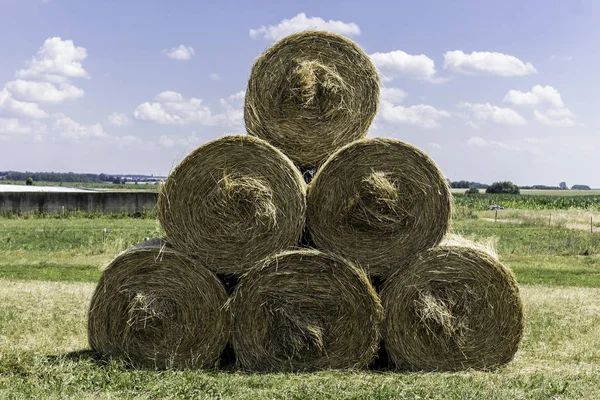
(533, 192)
(49, 266)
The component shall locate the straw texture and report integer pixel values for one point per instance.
(310, 94)
(232, 202)
(156, 308)
(305, 310)
(455, 308)
(378, 202)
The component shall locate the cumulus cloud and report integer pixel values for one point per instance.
(170, 141)
(561, 117)
(477, 141)
(435, 145)
(215, 77)
(393, 95)
(549, 106)
(56, 61)
(118, 119)
(43, 91)
(45, 79)
(539, 95)
(397, 63)
(173, 108)
(301, 23)
(486, 63)
(15, 126)
(26, 109)
(481, 142)
(489, 113)
(422, 115)
(69, 129)
(181, 52)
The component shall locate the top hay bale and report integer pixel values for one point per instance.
(232, 202)
(378, 202)
(310, 94)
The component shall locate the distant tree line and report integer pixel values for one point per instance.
(71, 177)
(56, 177)
(580, 187)
(542, 187)
(467, 185)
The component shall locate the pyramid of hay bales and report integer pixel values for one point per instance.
(297, 275)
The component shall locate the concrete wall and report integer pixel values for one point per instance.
(108, 202)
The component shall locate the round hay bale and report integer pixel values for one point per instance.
(378, 202)
(305, 310)
(232, 202)
(156, 308)
(311, 93)
(454, 308)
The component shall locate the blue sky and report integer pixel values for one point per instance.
(491, 90)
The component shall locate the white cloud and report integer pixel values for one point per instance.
(561, 117)
(233, 109)
(549, 106)
(118, 119)
(179, 53)
(30, 110)
(422, 115)
(69, 129)
(215, 77)
(301, 23)
(169, 96)
(495, 144)
(179, 141)
(15, 126)
(486, 63)
(126, 141)
(43, 91)
(481, 142)
(539, 95)
(393, 95)
(56, 61)
(435, 145)
(172, 108)
(487, 112)
(400, 64)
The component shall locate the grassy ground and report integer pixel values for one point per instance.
(42, 333)
(48, 268)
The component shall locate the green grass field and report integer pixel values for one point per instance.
(533, 192)
(49, 266)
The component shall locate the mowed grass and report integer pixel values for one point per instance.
(74, 249)
(43, 344)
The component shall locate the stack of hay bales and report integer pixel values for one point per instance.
(238, 217)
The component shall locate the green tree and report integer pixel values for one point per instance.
(580, 187)
(29, 181)
(504, 187)
(472, 190)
